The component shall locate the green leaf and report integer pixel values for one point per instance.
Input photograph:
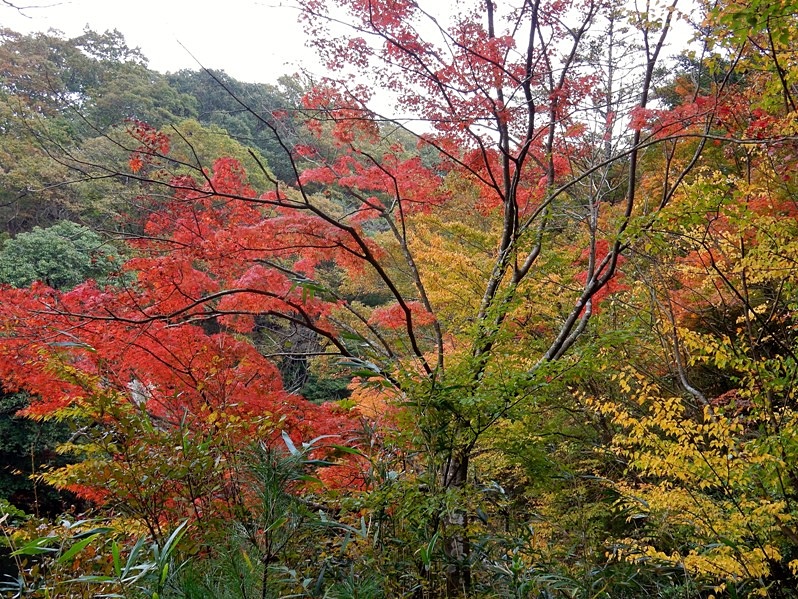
(351, 336)
(361, 365)
(75, 549)
(171, 543)
(131, 559)
(94, 531)
(362, 373)
(344, 449)
(425, 553)
(37, 547)
(319, 463)
(276, 524)
(309, 479)
(94, 579)
(117, 561)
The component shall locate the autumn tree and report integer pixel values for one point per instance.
(494, 243)
(703, 417)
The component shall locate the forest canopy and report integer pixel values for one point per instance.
(531, 336)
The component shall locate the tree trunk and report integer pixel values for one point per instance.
(457, 546)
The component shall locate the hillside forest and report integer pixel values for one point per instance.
(505, 305)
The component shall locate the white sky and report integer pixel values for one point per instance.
(254, 41)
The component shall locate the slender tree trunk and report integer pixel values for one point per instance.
(457, 546)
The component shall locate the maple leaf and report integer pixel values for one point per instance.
(136, 163)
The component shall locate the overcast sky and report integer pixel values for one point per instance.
(254, 41)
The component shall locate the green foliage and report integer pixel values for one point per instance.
(276, 545)
(62, 256)
(27, 447)
(321, 389)
(29, 193)
(199, 144)
(78, 558)
(133, 91)
(225, 103)
(58, 94)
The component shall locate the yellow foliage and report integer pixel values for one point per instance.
(705, 478)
